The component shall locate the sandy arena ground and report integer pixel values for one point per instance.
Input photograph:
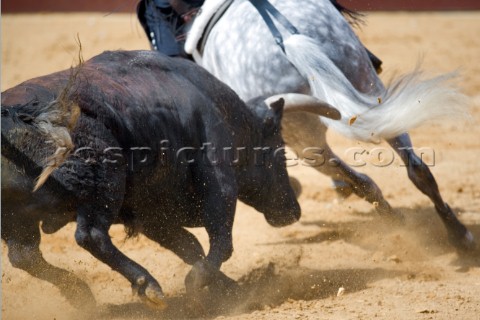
(388, 272)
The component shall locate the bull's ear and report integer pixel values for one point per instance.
(272, 121)
(277, 106)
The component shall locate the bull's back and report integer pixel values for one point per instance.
(143, 98)
(151, 95)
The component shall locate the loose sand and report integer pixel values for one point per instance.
(387, 272)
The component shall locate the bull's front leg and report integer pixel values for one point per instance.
(220, 195)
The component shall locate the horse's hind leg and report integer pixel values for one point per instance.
(423, 179)
(302, 131)
(24, 253)
(358, 183)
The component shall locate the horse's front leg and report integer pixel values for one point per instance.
(304, 132)
(422, 178)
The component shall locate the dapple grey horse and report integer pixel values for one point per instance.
(324, 58)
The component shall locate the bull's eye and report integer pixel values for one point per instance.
(25, 117)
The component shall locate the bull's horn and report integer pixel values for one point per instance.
(296, 102)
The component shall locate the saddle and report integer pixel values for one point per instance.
(212, 10)
(205, 20)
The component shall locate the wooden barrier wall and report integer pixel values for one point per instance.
(112, 6)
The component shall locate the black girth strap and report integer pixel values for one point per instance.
(265, 9)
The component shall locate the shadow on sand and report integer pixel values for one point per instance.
(270, 285)
(260, 288)
(421, 229)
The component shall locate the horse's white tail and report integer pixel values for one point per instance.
(408, 102)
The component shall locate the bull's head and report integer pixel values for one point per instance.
(36, 127)
(269, 190)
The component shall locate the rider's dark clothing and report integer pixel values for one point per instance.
(163, 21)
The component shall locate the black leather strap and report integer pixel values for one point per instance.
(266, 9)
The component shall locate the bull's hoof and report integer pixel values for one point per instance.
(150, 293)
(207, 285)
(204, 274)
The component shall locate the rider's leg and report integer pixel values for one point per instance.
(159, 22)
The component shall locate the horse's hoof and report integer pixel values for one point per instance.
(464, 244)
(386, 211)
(343, 189)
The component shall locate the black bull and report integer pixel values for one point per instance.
(144, 140)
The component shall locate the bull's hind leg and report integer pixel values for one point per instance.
(423, 179)
(176, 239)
(24, 253)
(93, 223)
